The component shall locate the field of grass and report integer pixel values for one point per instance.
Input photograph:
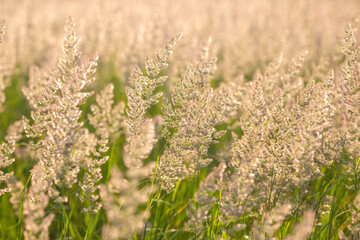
(179, 119)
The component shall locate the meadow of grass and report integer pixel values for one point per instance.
(179, 119)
